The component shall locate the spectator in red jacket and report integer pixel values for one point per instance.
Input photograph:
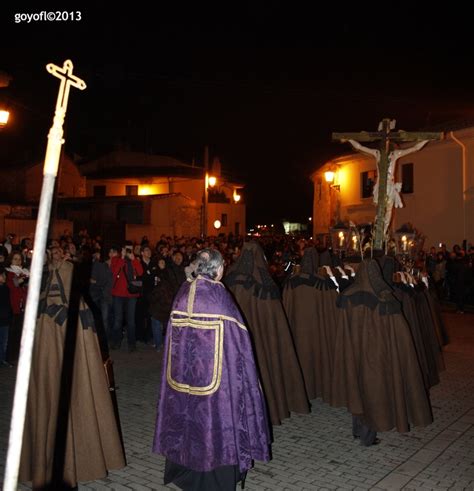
(125, 268)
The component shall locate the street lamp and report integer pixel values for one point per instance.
(329, 176)
(4, 115)
(209, 181)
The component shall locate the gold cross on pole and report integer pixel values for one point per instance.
(67, 79)
(51, 162)
(55, 136)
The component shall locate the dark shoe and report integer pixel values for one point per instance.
(5, 364)
(375, 442)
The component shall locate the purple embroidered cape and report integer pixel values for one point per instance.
(211, 410)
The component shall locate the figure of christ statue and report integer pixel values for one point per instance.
(393, 188)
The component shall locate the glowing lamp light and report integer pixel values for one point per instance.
(341, 238)
(236, 197)
(329, 176)
(404, 242)
(354, 242)
(4, 115)
(145, 190)
(217, 224)
(212, 181)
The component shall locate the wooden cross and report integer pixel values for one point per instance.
(67, 79)
(386, 190)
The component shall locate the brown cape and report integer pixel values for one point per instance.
(310, 303)
(422, 338)
(71, 432)
(376, 371)
(435, 310)
(260, 302)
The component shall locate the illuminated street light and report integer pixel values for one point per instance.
(209, 182)
(217, 224)
(4, 115)
(329, 176)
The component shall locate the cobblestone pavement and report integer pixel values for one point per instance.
(310, 452)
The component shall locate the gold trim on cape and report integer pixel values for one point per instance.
(215, 325)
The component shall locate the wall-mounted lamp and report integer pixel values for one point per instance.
(217, 224)
(4, 115)
(212, 181)
(236, 196)
(329, 177)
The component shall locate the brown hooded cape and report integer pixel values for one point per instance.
(424, 339)
(259, 300)
(376, 371)
(71, 430)
(310, 303)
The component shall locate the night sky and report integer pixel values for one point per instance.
(263, 85)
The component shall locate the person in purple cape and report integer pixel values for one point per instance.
(211, 423)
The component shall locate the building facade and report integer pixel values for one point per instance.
(171, 194)
(124, 195)
(437, 190)
(21, 191)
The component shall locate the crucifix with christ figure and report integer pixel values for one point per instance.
(386, 190)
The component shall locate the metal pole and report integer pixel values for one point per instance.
(50, 171)
(27, 339)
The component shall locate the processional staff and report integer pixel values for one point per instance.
(386, 190)
(50, 170)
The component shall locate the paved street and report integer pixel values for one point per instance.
(311, 452)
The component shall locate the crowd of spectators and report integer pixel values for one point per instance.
(104, 271)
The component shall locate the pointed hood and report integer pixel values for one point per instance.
(251, 271)
(310, 261)
(369, 288)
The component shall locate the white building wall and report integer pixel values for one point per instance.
(441, 206)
